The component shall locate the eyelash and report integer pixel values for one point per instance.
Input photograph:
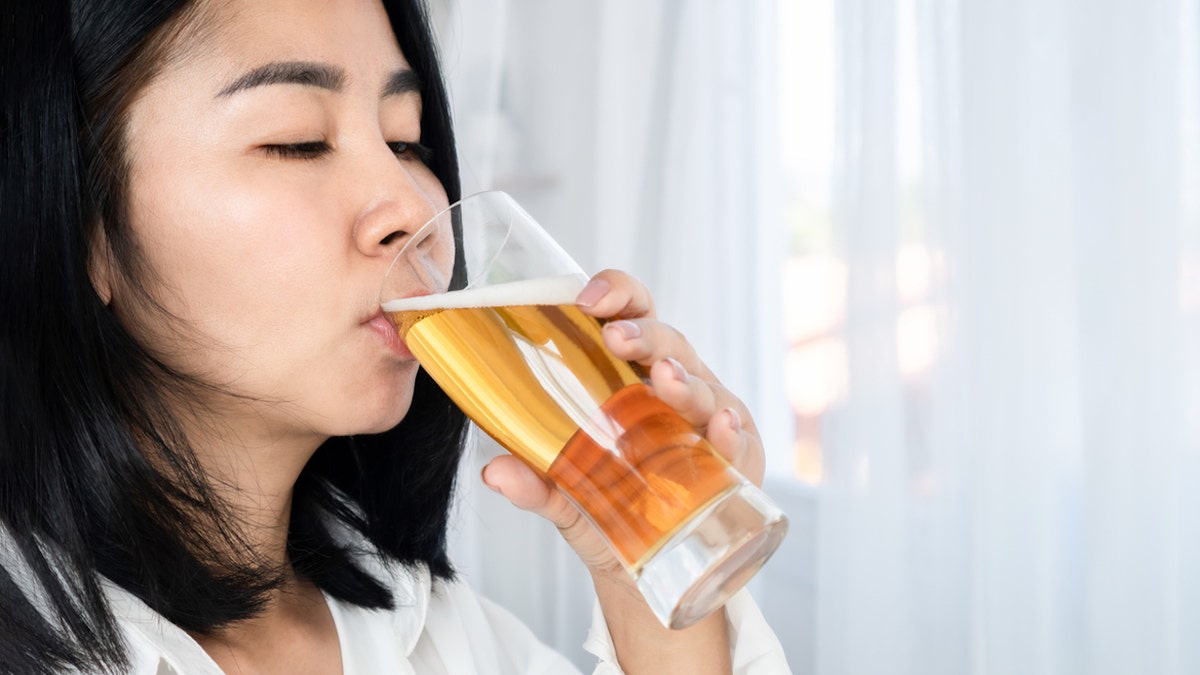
(421, 153)
(309, 150)
(315, 149)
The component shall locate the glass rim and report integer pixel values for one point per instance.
(474, 277)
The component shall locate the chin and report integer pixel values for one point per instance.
(380, 418)
(380, 408)
(384, 413)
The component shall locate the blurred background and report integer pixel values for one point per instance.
(948, 251)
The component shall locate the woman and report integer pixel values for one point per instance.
(210, 460)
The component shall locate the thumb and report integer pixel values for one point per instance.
(527, 490)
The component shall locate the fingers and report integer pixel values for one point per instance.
(518, 483)
(634, 334)
(522, 486)
(612, 293)
(648, 341)
(694, 399)
(741, 448)
(709, 407)
(678, 374)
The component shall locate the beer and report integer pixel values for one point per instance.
(532, 370)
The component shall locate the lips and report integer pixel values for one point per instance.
(380, 324)
(384, 328)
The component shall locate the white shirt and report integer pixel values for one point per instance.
(436, 628)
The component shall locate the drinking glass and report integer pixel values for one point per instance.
(484, 299)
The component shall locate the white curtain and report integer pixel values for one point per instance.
(1008, 470)
(1026, 504)
(640, 135)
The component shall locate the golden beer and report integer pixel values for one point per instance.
(532, 370)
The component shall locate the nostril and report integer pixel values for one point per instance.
(392, 236)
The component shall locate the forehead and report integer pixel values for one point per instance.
(231, 36)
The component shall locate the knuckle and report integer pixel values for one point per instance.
(724, 394)
(679, 337)
(670, 339)
(636, 294)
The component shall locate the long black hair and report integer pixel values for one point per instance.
(96, 479)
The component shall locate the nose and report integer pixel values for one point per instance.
(399, 211)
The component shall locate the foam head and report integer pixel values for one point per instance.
(560, 290)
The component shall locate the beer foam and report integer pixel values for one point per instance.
(560, 290)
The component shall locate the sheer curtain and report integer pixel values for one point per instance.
(1007, 468)
(640, 135)
(1023, 505)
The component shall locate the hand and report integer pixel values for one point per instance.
(678, 377)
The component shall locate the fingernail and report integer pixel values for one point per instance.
(591, 294)
(735, 420)
(628, 329)
(677, 367)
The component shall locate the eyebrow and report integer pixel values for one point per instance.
(289, 72)
(402, 81)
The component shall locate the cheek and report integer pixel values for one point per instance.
(211, 235)
(238, 263)
(251, 226)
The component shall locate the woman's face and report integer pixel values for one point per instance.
(269, 190)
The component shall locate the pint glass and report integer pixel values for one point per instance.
(484, 299)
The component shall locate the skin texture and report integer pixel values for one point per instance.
(268, 265)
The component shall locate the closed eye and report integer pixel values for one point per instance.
(411, 150)
(306, 150)
(316, 149)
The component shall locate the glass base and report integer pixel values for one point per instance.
(712, 557)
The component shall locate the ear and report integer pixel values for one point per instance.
(100, 265)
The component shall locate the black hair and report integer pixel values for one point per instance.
(96, 480)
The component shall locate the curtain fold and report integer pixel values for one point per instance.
(1023, 506)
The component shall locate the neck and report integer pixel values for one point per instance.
(295, 630)
(253, 469)
(254, 472)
